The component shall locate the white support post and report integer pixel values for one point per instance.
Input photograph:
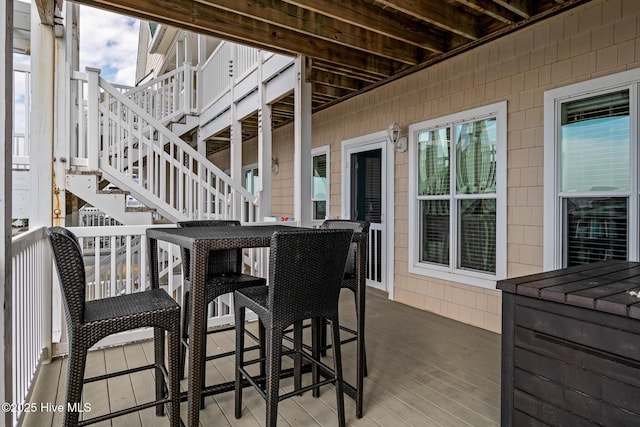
(188, 88)
(42, 119)
(236, 137)
(202, 58)
(265, 152)
(6, 109)
(93, 118)
(302, 146)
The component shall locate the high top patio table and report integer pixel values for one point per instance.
(200, 240)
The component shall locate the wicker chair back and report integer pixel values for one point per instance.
(306, 271)
(348, 224)
(70, 265)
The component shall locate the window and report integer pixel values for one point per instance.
(458, 196)
(591, 161)
(251, 178)
(320, 183)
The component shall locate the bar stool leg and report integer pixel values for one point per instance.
(337, 369)
(240, 319)
(158, 350)
(274, 362)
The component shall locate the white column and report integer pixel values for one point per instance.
(302, 146)
(235, 149)
(42, 113)
(202, 58)
(6, 109)
(265, 151)
(93, 117)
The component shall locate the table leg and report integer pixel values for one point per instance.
(361, 258)
(196, 338)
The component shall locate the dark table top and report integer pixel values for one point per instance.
(246, 236)
(603, 286)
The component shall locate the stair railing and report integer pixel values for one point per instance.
(168, 96)
(172, 177)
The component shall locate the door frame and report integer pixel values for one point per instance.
(373, 141)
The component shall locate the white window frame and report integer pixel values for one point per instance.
(451, 272)
(252, 167)
(553, 99)
(319, 151)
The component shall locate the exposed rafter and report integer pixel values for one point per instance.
(351, 45)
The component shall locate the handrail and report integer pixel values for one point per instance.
(177, 180)
(170, 95)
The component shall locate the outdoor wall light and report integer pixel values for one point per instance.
(399, 142)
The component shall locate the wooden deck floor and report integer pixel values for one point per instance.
(424, 370)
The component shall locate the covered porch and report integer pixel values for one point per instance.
(424, 370)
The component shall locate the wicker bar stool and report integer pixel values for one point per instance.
(306, 269)
(224, 275)
(90, 321)
(350, 273)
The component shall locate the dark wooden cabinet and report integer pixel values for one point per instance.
(571, 347)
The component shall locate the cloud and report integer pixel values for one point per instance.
(110, 42)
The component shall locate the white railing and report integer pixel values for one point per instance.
(246, 59)
(217, 73)
(20, 150)
(116, 260)
(168, 96)
(31, 312)
(119, 256)
(171, 176)
(93, 217)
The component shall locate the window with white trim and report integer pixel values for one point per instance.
(251, 177)
(457, 202)
(320, 183)
(591, 161)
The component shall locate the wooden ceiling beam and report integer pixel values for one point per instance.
(316, 25)
(520, 7)
(489, 8)
(46, 11)
(365, 15)
(443, 15)
(202, 18)
(345, 71)
(330, 79)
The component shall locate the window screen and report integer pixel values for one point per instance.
(596, 229)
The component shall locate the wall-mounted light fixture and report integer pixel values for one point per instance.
(398, 141)
(275, 168)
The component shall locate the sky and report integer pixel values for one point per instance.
(107, 41)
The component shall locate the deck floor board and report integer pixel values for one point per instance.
(424, 370)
